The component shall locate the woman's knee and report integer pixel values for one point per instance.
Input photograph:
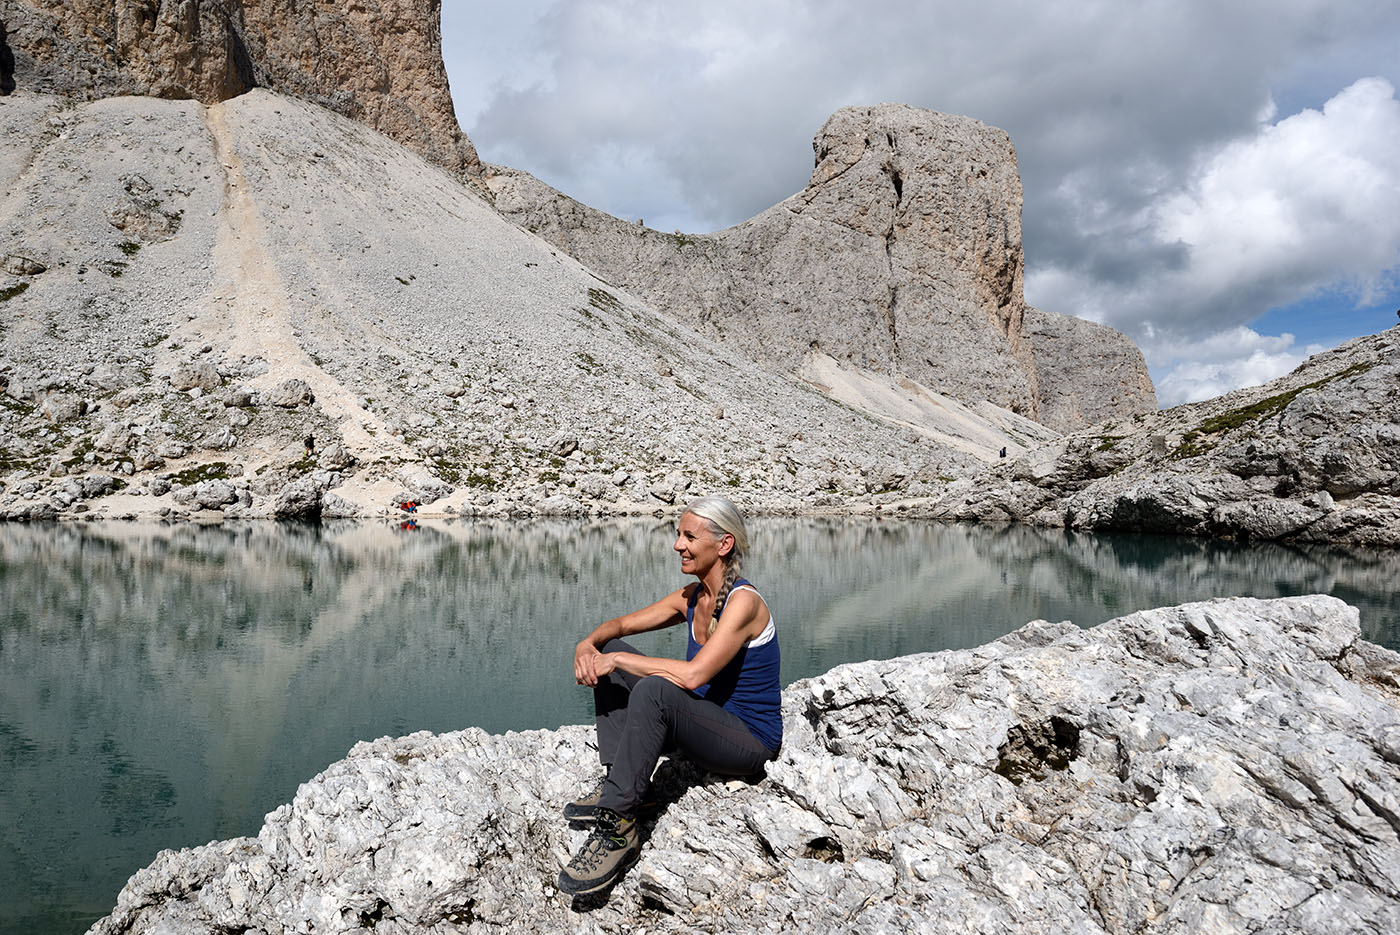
(653, 688)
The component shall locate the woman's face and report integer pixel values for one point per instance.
(698, 547)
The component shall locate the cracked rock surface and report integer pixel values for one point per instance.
(1313, 456)
(1229, 766)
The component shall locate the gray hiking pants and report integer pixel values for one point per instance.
(639, 719)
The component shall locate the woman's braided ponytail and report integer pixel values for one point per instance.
(731, 575)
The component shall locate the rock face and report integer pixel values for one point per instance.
(379, 62)
(902, 255)
(1313, 456)
(1088, 373)
(1225, 767)
(257, 307)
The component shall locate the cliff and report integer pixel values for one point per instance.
(1226, 767)
(189, 292)
(378, 62)
(901, 257)
(1313, 456)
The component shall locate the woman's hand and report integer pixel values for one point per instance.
(590, 664)
(586, 658)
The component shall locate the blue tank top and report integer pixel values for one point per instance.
(747, 686)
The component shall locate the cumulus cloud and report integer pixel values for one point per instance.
(1309, 202)
(1225, 360)
(1306, 204)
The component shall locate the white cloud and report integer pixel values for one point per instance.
(1226, 360)
(1307, 201)
(1307, 204)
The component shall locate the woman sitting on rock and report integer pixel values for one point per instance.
(720, 706)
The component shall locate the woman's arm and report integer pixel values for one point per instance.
(666, 612)
(743, 618)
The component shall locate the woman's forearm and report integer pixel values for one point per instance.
(605, 631)
(679, 671)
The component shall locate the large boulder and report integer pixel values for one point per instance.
(300, 498)
(290, 394)
(1223, 767)
(421, 486)
(196, 374)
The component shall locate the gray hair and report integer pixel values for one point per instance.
(723, 519)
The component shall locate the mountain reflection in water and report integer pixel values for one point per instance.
(162, 686)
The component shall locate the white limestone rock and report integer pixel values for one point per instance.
(289, 394)
(1312, 456)
(1227, 766)
(301, 498)
(902, 255)
(195, 375)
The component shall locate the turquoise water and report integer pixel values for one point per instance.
(164, 686)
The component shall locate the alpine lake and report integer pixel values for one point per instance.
(165, 685)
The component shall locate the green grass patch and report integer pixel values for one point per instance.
(1193, 443)
(1108, 442)
(215, 470)
(129, 247)
(14, 460)
(594, 318)
(481, 480)
(449, 466)
(9, 292)
(16, 405)
(81, 449)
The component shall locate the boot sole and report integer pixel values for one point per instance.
(584, 815)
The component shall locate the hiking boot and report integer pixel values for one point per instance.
(584, 809)
(612, 846)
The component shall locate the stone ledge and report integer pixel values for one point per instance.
(1226, 766)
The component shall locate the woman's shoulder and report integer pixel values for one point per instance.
(744, 584)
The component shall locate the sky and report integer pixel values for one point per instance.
(1217, 179)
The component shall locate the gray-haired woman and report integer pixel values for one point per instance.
(720, 705)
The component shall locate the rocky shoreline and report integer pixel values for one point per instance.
(1313, 457)
(1230, 766)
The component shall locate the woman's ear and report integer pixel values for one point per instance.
(726, 545)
